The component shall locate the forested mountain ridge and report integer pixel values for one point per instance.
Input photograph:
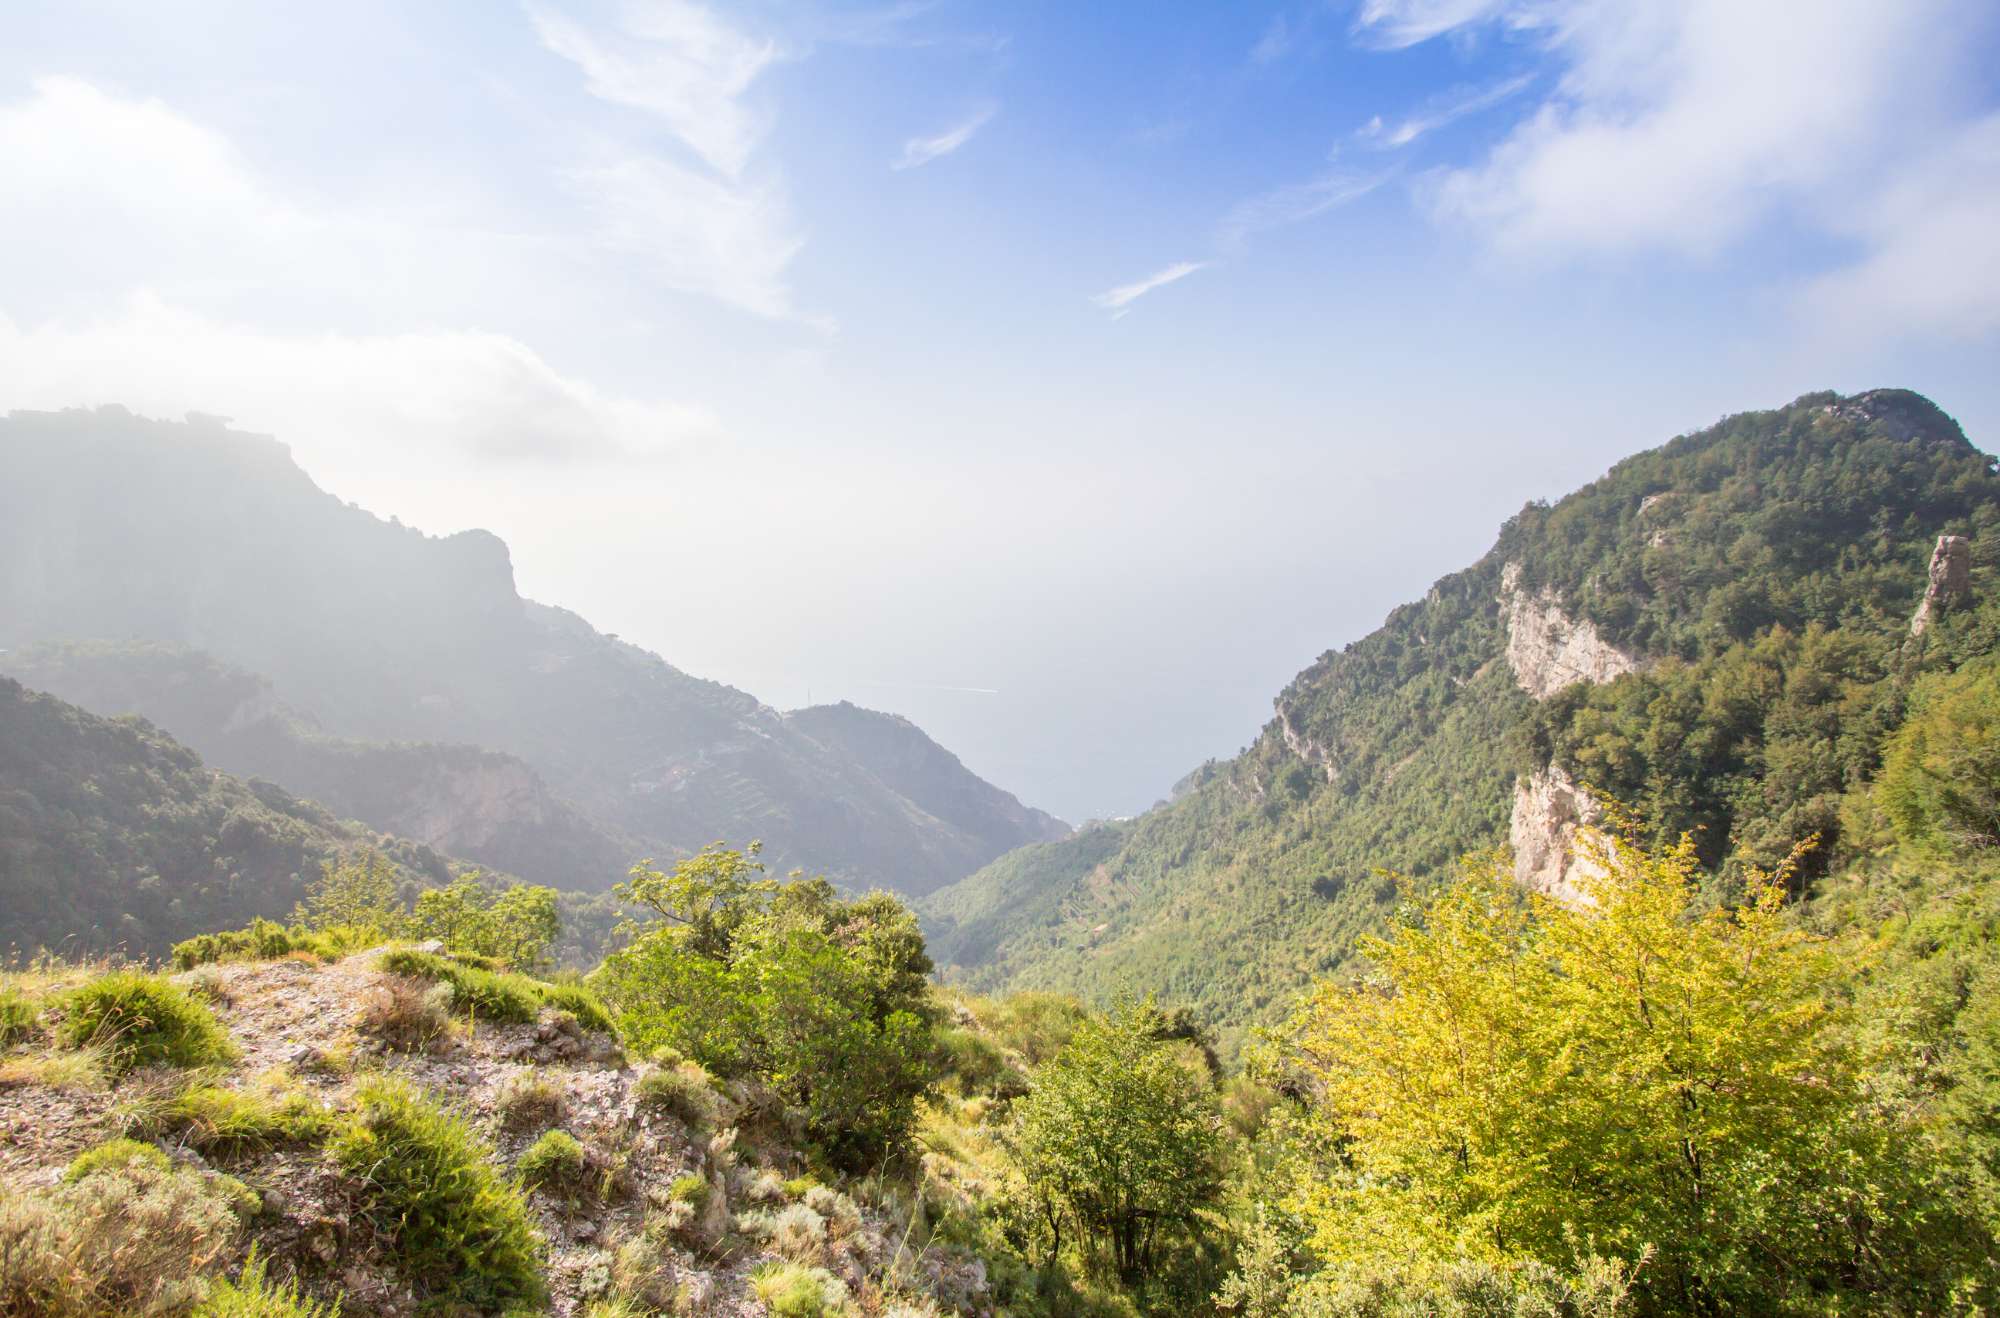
(118, 529)
(1735, 609)
(463, 800)
(113, 835)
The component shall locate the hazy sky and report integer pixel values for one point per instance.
(1064, 375)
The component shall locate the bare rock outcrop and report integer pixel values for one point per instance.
(1547, 649)
(1550, 814)
(1304, 746)
(1950, 581)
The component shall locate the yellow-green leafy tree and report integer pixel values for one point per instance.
(1638, 1075)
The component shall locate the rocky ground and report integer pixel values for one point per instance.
(296, 1023)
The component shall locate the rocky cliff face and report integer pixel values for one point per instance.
(1950, 581)
(1550, 812)
(1547, 649)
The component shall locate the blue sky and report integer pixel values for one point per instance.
(1064, 376)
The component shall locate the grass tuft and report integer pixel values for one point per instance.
(498, 995)
(143, 1020)
(457, 1229)
(254, 1295)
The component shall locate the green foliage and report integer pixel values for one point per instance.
(1766, 568)
(554, 1162)
(1940, 780)
(688, 1188)
(824, 1001)
(114, 1155)
(363, 891)
(267, 940)
(1668, 1083)
(516, 924)
(230, 1122)
(457, 1230)
(143, 1020)
(19, 1016)
(120, 837)
(683, 1089)
(496, 995)
(254, 1295)
(1119, 1140)
(792, 1290)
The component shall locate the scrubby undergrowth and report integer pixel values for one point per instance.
(271, 1151)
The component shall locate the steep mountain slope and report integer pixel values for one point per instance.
(113, 835)
(116, 528)
(1717, 633)
(898, 753)
(463, 800)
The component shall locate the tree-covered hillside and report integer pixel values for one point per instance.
(1758, 578)
(464, 800)
(115, 528)
(114, 836)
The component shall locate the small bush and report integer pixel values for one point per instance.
(406, 1013)
(143, 1020)
(126, 1238)
(766, 1187)
(791, 1290)
(266, 940)
(553, 1162)
(458, 1230)
(226, 1122)
(254, 1295)
(528, 1101)
(18, 1015)
(495, 995)
(643, 1272)
(689, 1188)
(683, 1090)
(115, 1155)
(799, 1234)
(207, 983)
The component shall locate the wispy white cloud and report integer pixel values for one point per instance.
(675, 60)
(1292, 204)
(1116, 300)
(922, 150)
(702, 227)
(1439, 111)
(1276, 42)
(1395, 24)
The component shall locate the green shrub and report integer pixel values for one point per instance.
(129, 1237)
(689, 1188)
(267, 940)
(225, 1122)
(459, 1232)
(683, 1090)
(143, 1020)
(553, 1162)
(791, 1290)
(113, 1155)
(254, 1295)
(497, 995)
(18, 1015)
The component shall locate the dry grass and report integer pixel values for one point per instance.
(407, 1014)
(132, 1240)
(80, 1070)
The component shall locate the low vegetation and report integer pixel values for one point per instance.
(432, 1191)
(138, 1020)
